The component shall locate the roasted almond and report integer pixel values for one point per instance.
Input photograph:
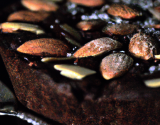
(44, 47)
(143, 46)
(12, 27)
(40, 5)
(97, 47)
(115, 65)
(119, 29)
(90, 24)
(156, 26)
(28, 16)
(89, 3)
(123, 11)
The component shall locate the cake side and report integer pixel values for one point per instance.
(37, 90)
(120, 101)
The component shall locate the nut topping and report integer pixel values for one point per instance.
(53, 59)
(72, 41)
(11, 27)
(143, 46)
(71, 30)
(156, 26)
(89, 3)
(119, 29)
(115, 65)
(40, 5)
(47, 71)
(28, 16)
(97, 47)
(153, 83)
(90, 24)
(74, 72)
(44, 47)
(157, 57)
(123, 11)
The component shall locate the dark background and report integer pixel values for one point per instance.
(6, 2)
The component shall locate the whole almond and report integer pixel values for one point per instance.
(156, 26)
(44, 47)
(97, 47)
(143, 46)
(28, 16)
(89, 3)
(90, 24)
(119, 29)
(40, 5)
(115, 65)
(122, 11)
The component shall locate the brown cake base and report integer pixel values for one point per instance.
(125, 100)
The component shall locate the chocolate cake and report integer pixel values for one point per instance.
(82, 62)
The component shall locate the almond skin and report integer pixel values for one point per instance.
(90, 24)
(115, 65)
(39, 5)
(28, 16)
(97, 47)
(119, 29)
(123, 11)
(143, 46)
(44, 47)
(156, 26)
(89, 3)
